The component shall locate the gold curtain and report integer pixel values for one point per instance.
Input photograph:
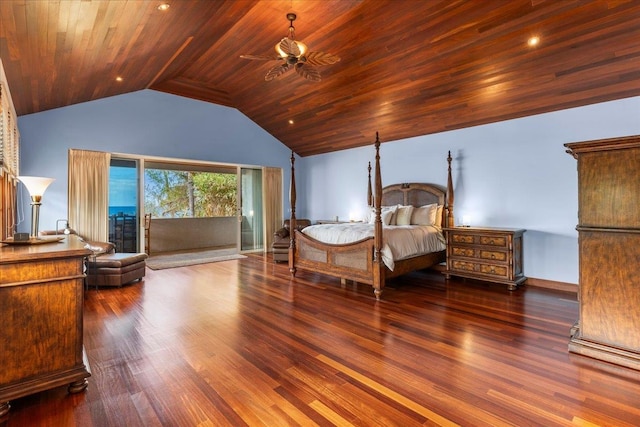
(7, 205)
(89, 193)
(272, 196)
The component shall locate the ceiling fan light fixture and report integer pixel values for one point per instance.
(295, 55)
(301, 46)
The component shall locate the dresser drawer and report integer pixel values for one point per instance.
(462, 251)
(493, 255)
(479, 239)
(467, 252)
(476, 267)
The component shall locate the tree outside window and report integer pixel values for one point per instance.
(189, 194)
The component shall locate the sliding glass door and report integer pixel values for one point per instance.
(183, 197)
(123, 205)
(250, 212)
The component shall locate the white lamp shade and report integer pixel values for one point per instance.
(36, 185)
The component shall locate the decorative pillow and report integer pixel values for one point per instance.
(439, 216)
(394, 210)
(425, 215)
(383, 209)
(386, 217)
(403, 215)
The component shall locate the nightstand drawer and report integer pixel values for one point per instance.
(489, 269)
(462, 251)
(467, 252)
(493, 255)
(479, 239)
(493, 241)
(462, 238)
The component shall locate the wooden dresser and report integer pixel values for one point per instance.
(609, 250)
(41, 306)
(483, 253)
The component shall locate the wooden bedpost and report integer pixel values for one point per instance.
(378, 266)
(369, 192)
(292, 219)
(450, 195)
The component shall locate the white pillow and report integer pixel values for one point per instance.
(383, 210)
(386, 217)
(439, 216)
(403, 215)
(425, 215)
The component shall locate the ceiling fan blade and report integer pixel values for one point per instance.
(308, 72)
(321, 58)
(276, 71)
(289, 47)
(261, 57)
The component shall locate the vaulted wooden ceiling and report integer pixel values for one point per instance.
(408, 67)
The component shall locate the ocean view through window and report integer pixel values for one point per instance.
(123, 205)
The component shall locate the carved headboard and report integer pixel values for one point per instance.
(415, 194)
(419, 194)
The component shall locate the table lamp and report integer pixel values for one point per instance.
(36, 186)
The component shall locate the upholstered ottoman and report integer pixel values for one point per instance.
(280, 251)
(282, 239)
(115, 269)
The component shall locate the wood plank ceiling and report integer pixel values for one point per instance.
(407, 68)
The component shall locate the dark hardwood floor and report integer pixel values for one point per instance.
(239, 343)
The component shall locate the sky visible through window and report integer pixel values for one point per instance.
(122, 190)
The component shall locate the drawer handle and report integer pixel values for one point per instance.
(491, 242)
(493, 256)
(493, 269)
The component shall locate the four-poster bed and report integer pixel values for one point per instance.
(362, 260)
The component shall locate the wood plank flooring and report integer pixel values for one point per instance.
(238, 343)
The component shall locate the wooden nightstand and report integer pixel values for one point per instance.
(485, 253)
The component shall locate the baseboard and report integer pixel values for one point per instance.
(552, 284)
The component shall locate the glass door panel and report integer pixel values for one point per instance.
(250, 211)
(123, 205)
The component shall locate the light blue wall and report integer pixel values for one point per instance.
(509, 174)
(146, 123)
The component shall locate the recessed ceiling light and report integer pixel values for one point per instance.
(119, 79)
(533, 41)
(290, 121)
(163, 7)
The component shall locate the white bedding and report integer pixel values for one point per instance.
(398, 242)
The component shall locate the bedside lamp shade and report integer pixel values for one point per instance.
(36, 186)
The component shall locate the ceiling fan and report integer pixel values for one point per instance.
(294, 54)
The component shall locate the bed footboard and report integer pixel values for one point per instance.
(352, 261)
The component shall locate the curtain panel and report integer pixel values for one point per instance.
(88, 191)
(272, 197)
(8, 219)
